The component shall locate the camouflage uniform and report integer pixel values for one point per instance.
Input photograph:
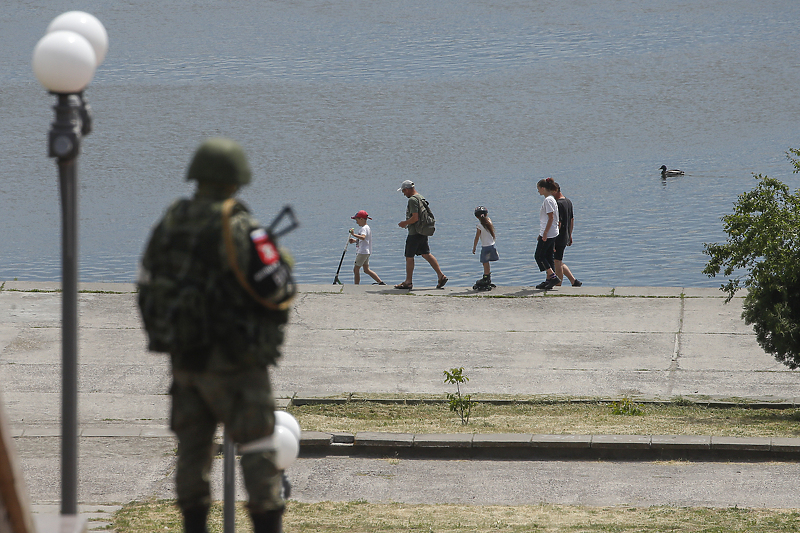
(220, 342)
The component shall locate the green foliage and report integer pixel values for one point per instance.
(458, 403)
(762, 254)
(626, 407)
(680, 400)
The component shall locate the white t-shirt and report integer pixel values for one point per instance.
(548, 206)
(486, 237)
(364, 246)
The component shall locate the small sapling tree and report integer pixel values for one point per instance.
(458, 403)
(762, 254)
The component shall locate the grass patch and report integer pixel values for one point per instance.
(550, 418)
(361, 516)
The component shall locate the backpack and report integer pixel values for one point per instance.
(175, 307)
(191, 302)
(426, 225)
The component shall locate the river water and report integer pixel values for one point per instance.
(337, 102)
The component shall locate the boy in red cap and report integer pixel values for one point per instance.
(363, 236)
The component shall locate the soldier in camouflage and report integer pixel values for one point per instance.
(220, 338)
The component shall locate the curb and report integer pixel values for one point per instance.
(527, 446)
(286, 400)
(517, 446)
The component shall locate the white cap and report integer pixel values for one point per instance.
(408, 184)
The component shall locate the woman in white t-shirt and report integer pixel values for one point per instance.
(485, 233)
(548, 231)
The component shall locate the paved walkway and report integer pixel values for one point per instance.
(650, 343)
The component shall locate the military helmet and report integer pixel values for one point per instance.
(220, 161)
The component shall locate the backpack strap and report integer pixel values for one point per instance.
(424, 203)
(230, 250)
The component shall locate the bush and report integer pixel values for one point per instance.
(626, 406)
(763, 249)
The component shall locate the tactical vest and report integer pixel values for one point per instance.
(190, 300)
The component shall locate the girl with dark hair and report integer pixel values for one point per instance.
(485, 233)
(548, 231)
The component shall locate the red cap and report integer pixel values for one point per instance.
(361, 214)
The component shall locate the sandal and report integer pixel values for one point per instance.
(403, 285)
(441, 283)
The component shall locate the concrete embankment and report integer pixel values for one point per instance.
(578, 342)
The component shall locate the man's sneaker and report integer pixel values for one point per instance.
(550, 283)
(577, 283)
(542, 285)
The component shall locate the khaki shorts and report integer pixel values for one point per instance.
(362, 259)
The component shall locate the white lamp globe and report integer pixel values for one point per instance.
(86, 25)
(287, 448)
(282, 418)
(64, 62)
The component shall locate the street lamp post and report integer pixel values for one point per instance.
(64, 143)
(64, 61)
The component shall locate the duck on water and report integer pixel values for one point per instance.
(666, 173)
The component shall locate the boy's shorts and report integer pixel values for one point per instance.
(362, 259)
(417, 244)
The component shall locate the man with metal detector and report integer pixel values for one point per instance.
(214, 292)
(420, 224)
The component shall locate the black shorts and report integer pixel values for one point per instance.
(417, 244)
(561, 245)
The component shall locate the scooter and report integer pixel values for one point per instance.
(336, 279)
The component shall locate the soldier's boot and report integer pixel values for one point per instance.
(194, 519)
(267, 521)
